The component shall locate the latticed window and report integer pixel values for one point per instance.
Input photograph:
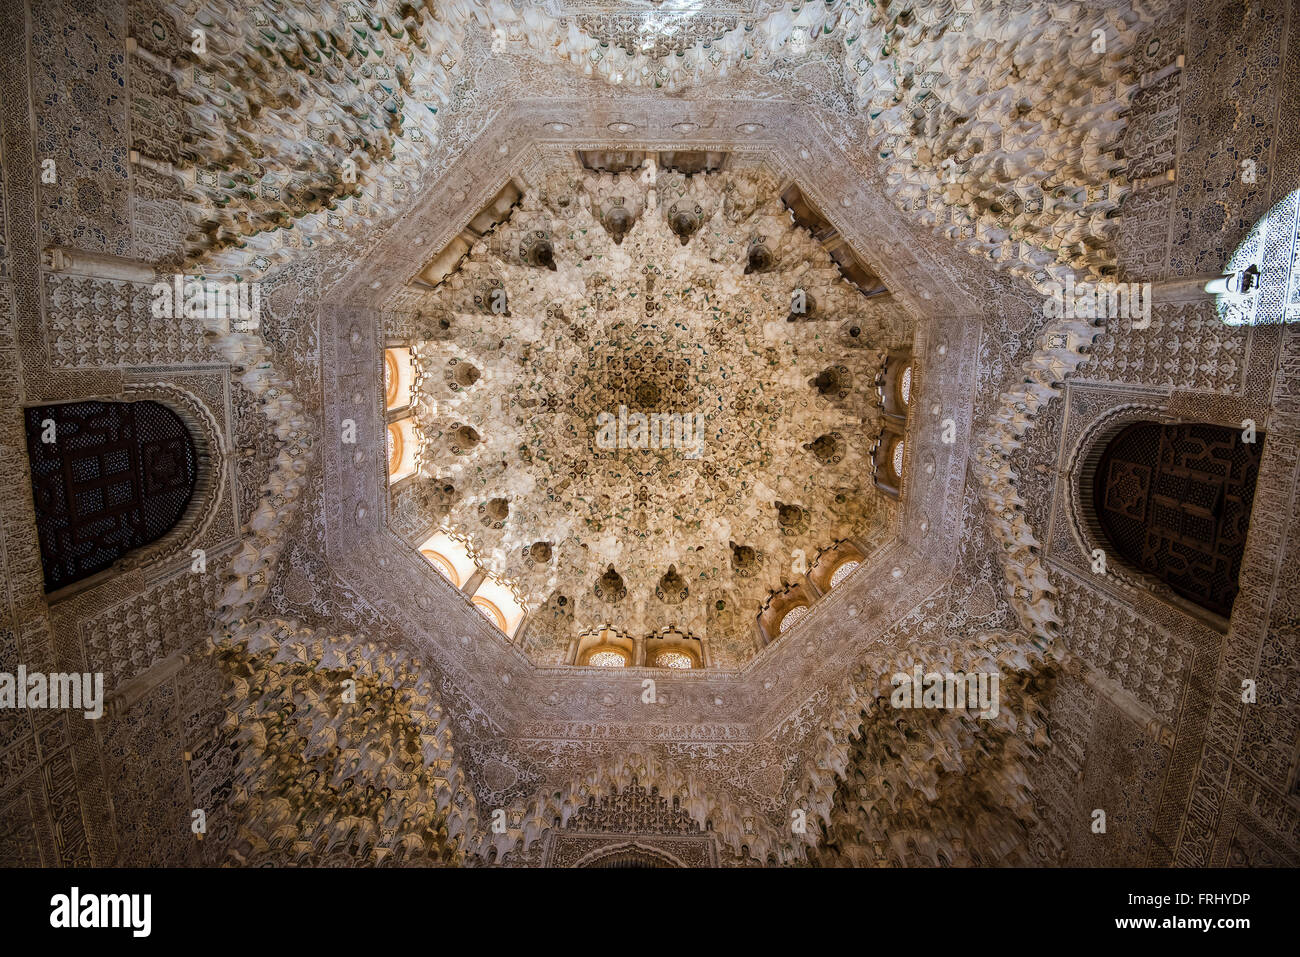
(398, 374)
(843, 572)
(489, 611)
(392, 379)
(443, 565)
(674, 659)
(1175, 501)
(792, 618)
(107, 478)
(396, 448)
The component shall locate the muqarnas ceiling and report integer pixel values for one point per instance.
(646, 391)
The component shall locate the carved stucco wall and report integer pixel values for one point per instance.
(111, 791)
(1208, 795)
(1215, 783)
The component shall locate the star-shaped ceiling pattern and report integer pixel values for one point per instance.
(606, 297)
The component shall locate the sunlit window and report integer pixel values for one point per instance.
(451, 557)
(396, 445)
(793, 617)
(443, 564)
(397, 378)
(401, 449)
(897, 459)
(843, 572)
(1238, 299)
(489, 611)
(674, 659)
(608, 659)
(497, 595)
(905, 385)
(390, 379)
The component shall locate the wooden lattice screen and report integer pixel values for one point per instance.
(107, 477)
(1175, 501)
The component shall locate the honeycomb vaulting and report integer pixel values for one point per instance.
(479, 231)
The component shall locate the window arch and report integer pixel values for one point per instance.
(396, 447)
(1175, 500)
(895, 382)
(674, 659)
(887, 459)
(489, 611)
(443, 564)
(605, 656)
(498, 597)
(792, 617)
(843, 570)
(402, 444)
(107, 479)
(606, 648)
(440, 548)
(631, 857)
(834, 563)
(398, 375)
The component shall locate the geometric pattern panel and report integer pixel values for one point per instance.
(1175, 501)
(107, 477)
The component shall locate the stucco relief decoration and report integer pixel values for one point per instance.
(557, 495)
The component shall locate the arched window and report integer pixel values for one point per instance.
(489, 611)
(402, 444)
(107, 478)
(396, 447)
(398, 374)
(497, 595)
(606, 648)
(843, 571)
(1175, 501)
(887, 459)
(792, 618)
(895, 386)
(674, 659)
(443, 565)
(833, 564)
(607, 658)
(451, 556)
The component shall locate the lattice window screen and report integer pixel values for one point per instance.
(117, 476)
(1175, 501)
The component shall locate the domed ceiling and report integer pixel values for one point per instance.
(697, 303)
(438, 180)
